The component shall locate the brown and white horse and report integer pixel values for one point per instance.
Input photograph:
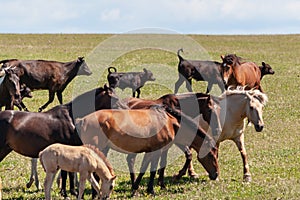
(84, 159)
(237, 105)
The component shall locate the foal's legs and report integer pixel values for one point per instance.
(83, 177)
(48, 183)
(239, 141)
(178, 83)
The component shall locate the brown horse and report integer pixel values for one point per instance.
(147, 130)
(191, 104)
(237, 105)
(21, 131)
(237, 73)
(83, 159)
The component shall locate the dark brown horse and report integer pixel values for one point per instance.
(237, 73)
(28, 133)
(146, 130)
(48, 75)
(9, 89)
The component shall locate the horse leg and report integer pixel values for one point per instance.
(64, 175)
(72, 183)
(188, 156)
(209, 87)
(59, 96)
(51, 98)
(130, 162)
(161, 171)
(138, 91)
(154, 163)
(48, 183)
(83, 177)
(94, 183)
(144, 166)
(34, 175)
(178, 83)
(239, 141)
(188, 85)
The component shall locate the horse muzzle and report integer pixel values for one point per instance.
(259, 128)
(213, 176)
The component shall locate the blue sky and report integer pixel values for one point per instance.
(120, 16)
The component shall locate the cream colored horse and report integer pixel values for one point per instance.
(236, 106)
(83, 159)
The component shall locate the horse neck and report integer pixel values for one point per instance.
(103, 170)
(233, 108)
(71, 68)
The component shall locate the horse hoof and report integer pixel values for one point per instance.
(176, 177)
(193, 175)
(28, 185)
(63, 193)
(73, 192)
(134, 193)
(151, 192)
(247, 178)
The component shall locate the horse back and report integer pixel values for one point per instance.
(247, 74)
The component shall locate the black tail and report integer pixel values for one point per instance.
(178, 54)
(110, 68)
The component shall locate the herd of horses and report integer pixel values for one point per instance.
(198, 121)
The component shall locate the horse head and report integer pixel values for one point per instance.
(227, 66)
(12, 83)
(254, 111)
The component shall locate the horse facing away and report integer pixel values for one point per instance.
(83, 159)
(237, 73)
(21, 131)
(136, 131)
(237, 105)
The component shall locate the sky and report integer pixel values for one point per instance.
(122, 16)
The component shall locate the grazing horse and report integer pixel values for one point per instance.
(21, 131)
(9, 89)
(53, 76)
(237, 105)
(199, 70)
(83, 159)
(237, 73)
(142, 130)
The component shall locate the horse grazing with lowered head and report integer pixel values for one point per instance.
(9, 89)
(142, 130)
(21, 131)
(236, 106)
(237, 73)
(83, 159)
(53, 76)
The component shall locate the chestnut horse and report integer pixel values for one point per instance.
(237, 73)
(83, 159)
(146, 130)
(21, 131)
(237, 105)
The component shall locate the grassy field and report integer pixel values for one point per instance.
(274, 154)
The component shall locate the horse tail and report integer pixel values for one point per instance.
(178, 54)
(110, 68)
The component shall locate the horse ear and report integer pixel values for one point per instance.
(145, 70)
(105, 87)
(222, 57)
(263, 64)
(114, 177)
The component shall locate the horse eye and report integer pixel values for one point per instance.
(111, 187)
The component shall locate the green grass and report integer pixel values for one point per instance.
(274, 154)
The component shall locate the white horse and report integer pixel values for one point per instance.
(236, 106)
(84, 159)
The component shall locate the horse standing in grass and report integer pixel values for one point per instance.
(237, 105)
(237, 73)
(83, 159)
(146, 130)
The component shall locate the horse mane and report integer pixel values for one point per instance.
(102, 156)
(232, 59)
(254, 93)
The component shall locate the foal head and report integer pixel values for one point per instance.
(254, 109)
